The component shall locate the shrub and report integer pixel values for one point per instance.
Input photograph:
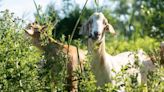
(18, 69)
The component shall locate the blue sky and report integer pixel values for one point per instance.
(25, 8)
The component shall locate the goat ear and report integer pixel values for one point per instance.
(29, 31)
(86, 27)
(109, 28)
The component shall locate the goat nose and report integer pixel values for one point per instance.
(96, 33)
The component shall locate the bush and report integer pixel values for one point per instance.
(117, 45)
(18, 69)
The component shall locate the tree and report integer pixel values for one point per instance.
(66, 25)
(140, 18)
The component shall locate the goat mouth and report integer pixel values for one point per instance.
(96, 40)
(93, 37)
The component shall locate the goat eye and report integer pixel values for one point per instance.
(36, 30)
(104, 22)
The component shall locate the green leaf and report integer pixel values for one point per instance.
(97, 3)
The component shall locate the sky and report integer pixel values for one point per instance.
(26, 8)
(23, 9)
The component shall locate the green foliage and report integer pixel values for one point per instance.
(116, 45)
(97, 3)
(53, 71)
(17, 58)
(156, 82)
(153, 16)
(87, 81)
(137, 18)
(66, 25)
(25, 68)
(49, 17)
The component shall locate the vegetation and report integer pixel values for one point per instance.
(20, 71)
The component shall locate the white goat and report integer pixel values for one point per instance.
(103, 64)
(35, 30)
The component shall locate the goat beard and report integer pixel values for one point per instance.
(99, 41)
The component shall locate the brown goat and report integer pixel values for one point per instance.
(75, 56)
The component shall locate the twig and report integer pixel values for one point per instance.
(77, 22)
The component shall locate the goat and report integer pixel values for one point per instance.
(35, 30)
(103, 64)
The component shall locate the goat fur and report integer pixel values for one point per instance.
(102, 62)
(35, 30)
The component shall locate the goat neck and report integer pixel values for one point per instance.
(97, 50)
